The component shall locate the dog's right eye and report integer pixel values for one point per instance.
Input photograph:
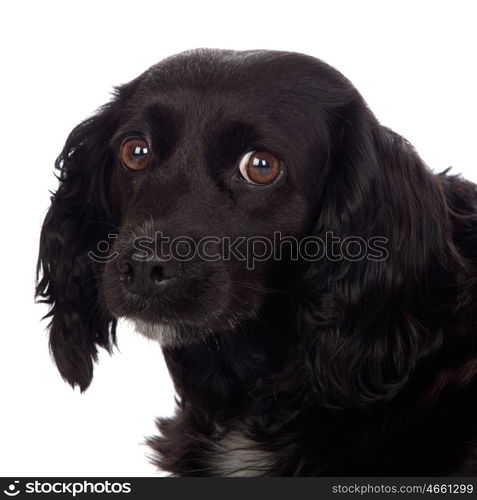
(135, 153)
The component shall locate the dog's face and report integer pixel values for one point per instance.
(195, 167)
(212, 162)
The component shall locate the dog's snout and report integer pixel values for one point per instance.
(145, 277)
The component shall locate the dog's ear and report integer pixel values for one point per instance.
(378, 302)
(80, 215)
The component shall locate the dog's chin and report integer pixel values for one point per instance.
(170, 334)
(166, 334)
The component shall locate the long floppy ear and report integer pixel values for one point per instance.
(80, 215)
(371, 310)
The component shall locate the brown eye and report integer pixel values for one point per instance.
(260, 167)
(135, 153)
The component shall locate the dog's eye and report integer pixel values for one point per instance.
(135, 153)
(260, 167)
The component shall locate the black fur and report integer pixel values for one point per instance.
(331, 367)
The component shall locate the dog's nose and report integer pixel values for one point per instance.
(146, 277)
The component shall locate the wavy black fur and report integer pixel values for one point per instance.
(333, 367)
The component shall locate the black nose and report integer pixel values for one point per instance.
(146, 277)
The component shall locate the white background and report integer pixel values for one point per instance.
(414, 62)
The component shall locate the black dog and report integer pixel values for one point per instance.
(358, 362)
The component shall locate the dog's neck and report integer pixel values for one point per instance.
(222, 373)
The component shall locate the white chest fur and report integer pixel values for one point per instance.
(237, 455)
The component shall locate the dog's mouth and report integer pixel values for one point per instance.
(177, 333)
(172, 328)
(182, 309)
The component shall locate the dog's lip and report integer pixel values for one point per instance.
(158, 316)
(167, 281)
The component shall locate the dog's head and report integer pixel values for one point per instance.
(176, 195)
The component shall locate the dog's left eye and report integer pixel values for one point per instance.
(260, 167)
(135, 153)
